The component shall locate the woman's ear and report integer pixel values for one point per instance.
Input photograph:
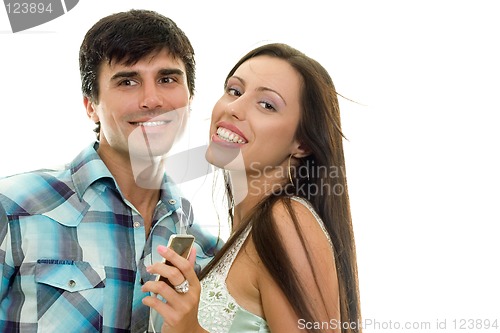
(90, 107)
(301, 150)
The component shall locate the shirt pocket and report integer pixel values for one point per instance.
(69, 293)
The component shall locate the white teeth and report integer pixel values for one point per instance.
(229, 136)
(152, 123)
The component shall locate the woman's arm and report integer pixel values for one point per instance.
(316, 274)
(180, 311)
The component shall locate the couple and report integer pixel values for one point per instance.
(80, 248)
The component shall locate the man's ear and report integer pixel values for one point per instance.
(90, 107)
(300, 150)
(190, 102)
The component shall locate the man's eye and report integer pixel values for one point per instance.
(127, 82)
(167, 80)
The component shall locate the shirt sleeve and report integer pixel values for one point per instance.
(207, 245)
(6, 266)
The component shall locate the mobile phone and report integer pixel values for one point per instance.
(182, 245)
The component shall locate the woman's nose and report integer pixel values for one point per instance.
(236, 109)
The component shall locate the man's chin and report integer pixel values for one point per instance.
(149, 153)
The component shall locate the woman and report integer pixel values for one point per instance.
(289, 264)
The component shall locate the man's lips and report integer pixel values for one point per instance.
(151, 123)
(156, 118)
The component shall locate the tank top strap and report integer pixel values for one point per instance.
(316, 216)
(222, 269)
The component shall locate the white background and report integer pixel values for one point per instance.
(423, 141)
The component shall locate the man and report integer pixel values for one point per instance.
(75, 243)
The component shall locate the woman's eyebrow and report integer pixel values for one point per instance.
(273, 91)
(260, 88)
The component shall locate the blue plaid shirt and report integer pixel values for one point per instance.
(73, 251)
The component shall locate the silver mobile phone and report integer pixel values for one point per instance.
(182, 245)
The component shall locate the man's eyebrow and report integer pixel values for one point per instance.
(164, 71)
(170, 71)
(124, 74)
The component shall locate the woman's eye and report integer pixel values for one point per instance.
(233, 91)
(267, 106)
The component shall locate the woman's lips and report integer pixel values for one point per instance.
(230, 136)
(231, 128)
(224, 142)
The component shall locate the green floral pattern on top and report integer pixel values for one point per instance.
(217, 307)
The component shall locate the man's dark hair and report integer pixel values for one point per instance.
(127, 37)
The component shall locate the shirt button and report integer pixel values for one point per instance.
(137, 224)
(71, 283)
(172, 201)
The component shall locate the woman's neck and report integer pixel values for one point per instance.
(250, 189)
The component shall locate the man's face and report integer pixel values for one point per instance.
(142, 108)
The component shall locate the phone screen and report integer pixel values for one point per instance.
(181, 244)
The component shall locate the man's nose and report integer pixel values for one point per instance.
(151, 97)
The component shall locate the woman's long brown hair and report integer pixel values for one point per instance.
(324, 185)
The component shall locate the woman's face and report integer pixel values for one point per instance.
(253, 124)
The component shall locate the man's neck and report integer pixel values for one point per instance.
(139, 184)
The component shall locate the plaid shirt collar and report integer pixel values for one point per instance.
(88, 168)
